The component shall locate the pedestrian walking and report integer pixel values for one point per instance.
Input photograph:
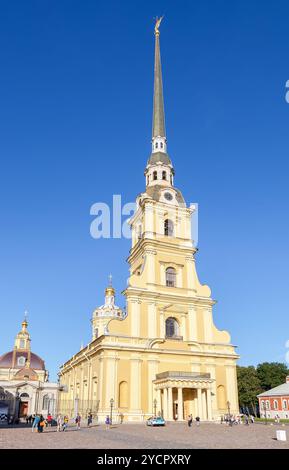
(89, 419)
(246, 420)
(77, 421)
(198, 419)
(107, 422)
(65, 423)
(41, 423)
(190, 421)
(49, 420)
(59, 422)
(35, 423)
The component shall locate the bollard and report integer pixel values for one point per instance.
(281, 435)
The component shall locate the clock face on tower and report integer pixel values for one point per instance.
(168, 196)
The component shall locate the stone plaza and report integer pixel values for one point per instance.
(140, 436)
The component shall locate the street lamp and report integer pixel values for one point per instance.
(155, 407)
(111, 407)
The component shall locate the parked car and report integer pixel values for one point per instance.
(156, 421)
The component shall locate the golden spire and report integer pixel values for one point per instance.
(158, 100)
(109, 290)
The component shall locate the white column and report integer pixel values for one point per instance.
(165, 403)
(180, 404)
(159, 400)
(204, 405)
(170, 404)
(199, 403)
(209, 404)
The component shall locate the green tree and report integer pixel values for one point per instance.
(271, 374)
(248, 386)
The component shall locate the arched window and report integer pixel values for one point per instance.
(267, 405)
(22, 343)
(45, 402)
(21, 361)
(172, 328)
(155, 175)
(157, 145)
(170, 277)
(169, 228)
(221, 396)
(164, 175)
(123, 395)
(148, 179)
(262, 405)
(162, 145)
(285, 404)
(275, 405)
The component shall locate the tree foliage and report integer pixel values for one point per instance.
(254, 380)
(271, 374)
(248, 385)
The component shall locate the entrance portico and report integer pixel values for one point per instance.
(180, 394)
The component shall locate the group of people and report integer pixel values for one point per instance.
(190, 420)
(240, 419)
(38, 423)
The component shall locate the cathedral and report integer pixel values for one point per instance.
(24, 386)
(163, 355)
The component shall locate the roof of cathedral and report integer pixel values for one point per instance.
(155, 193)
(159, 157)
(6, 360)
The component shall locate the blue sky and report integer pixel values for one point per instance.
(75, 125)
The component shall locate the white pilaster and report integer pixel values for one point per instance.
(135, 384)
(180, 404)
(199, 403)
(165, 403)
(193, 328)
(209, 404)
(152, 320)
(170, 403)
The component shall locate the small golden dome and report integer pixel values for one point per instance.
(109, 291)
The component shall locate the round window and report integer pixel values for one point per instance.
(168, 196)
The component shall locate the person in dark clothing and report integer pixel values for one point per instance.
(41, 424)
(89, 419)
(190, 421)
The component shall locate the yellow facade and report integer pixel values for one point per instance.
(164, 354)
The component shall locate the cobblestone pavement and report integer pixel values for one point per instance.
(139, 436)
